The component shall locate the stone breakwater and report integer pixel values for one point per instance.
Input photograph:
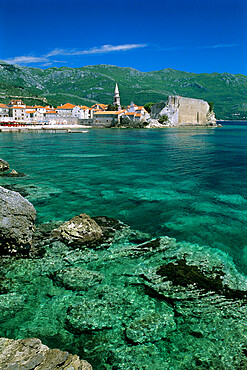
(122, 300)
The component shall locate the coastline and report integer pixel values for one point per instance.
(80, 128)
(35, 128)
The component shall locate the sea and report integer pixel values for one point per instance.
(187, 184)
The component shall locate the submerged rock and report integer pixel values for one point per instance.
(161, 304)
(76, 278)
(10, 304)
(23, 190)
(208, 296)
(116, 231)
(189, 270)
(13, 173)
(80, 230)
(32, 354)
(4, 166)
(109, 226)
(17, 217)
(151, 326)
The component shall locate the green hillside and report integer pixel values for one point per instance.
(91, 84)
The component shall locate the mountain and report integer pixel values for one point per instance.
(91, 84)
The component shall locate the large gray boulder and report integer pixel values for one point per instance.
(32, 354)
(17, 217)
(80, 230)
(4, 166)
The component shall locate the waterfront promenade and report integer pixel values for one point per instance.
(47, 127)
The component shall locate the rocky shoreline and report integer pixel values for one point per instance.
(114, 296)
(32, 354)
(151, 124)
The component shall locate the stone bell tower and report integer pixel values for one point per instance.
(116, 99)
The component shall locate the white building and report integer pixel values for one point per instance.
(4, 110)
(82, 112)
(65, 110)
(107, 118)
(50, 114)
(17, 110)
(40, 109)
(140, 110)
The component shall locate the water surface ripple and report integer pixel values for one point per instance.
(181, 182)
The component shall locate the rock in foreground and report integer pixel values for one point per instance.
(4, 166)
(17, 217)
(131, 303)
(32, 354)
(79, 230)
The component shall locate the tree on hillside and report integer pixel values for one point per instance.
(211, 106)
(148, 107)
(163, 119)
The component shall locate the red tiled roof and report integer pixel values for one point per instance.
(17, 107)
(66, 106)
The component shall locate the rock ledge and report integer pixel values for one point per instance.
(32, 354)
(17, 217)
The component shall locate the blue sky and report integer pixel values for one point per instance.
(188, 35)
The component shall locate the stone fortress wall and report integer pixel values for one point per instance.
(192, 111)
(180, 110)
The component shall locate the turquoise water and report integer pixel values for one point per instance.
(108, 304)
(181, 182)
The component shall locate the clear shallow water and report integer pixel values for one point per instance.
(182, 182)
(105, 304)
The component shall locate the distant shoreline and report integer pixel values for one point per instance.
(81, 128)
(231, 120)
(30, 128)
